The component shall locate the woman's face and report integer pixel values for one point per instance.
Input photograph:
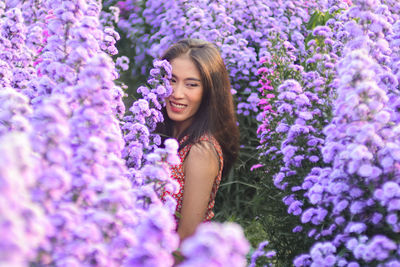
(187, 93)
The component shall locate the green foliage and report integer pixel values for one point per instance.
(319, 18)
(236, 192)
(132, 82)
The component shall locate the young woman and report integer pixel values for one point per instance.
(201, 116)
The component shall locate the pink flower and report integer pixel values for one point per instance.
(263, 102)
(270, 95)
(256, 166)
(262, 70)
(348, 2)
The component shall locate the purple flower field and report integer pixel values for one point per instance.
(316, 84)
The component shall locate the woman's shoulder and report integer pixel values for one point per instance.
(203, 157)
(207, 146)
(204, 146)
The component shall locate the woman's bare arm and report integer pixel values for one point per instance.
(201, 167)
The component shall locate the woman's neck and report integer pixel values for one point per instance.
(178, 128)
(176, 132)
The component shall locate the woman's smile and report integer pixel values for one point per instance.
(177, 107)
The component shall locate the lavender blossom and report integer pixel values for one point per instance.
(15, 53)
(24, 225)
(14, 111)
(215, 244)
(354, 141)
(260, 252)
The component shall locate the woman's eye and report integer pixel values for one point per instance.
(192, 84)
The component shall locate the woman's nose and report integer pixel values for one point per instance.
(177, 90)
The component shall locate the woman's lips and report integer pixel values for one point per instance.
(177, 107)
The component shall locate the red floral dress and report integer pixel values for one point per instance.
(178, 175)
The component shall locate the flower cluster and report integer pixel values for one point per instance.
(15, 110)
(145, 114)
(353, 200)
(260, 253)
(296, 88)
(82, 183)
(358, 143)
(326, 182)
(15, 56)
(23, 225)
(215, 245)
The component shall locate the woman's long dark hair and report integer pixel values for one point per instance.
(216, 115)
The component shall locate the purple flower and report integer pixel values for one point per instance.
(339, 207)
(123, 63)
(295, 208)
(355, 227)
(260, 252)
(391, 218)
(215, 244)
(25, 223)
(314, 158)
(302, 260)
(357, 207)
(322, 254)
